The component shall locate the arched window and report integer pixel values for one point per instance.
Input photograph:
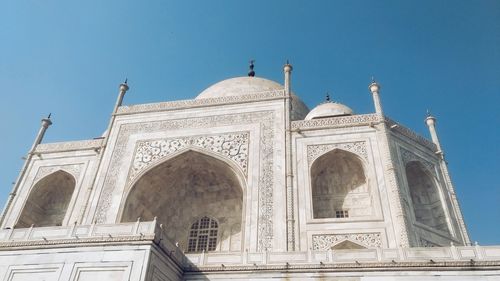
(203, 235)
(48, 201)
(339, 186)
(427, 204)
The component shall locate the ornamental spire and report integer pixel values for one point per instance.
(251, 72)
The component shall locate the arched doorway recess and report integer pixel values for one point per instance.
(184, 189)
(427, 204)
(48, 201)
(339, 186)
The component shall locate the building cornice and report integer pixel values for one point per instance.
(195, 103)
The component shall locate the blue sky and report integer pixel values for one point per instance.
(68, 57)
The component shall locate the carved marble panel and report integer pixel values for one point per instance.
(73, 169)
(327, 241)
(232, 146)
(408, 156)
(358, 148)
(336, 122)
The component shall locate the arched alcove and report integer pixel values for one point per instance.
(48, 201)
(427, 204)
(184, 189)
(339, 186)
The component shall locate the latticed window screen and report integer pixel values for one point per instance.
(342, 214)
(203, 235)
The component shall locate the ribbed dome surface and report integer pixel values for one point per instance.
(329, 109)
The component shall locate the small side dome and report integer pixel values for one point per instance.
(329, 109)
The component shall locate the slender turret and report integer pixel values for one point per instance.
(431, 123)
(287, 69)
(374, 89)
(123, 88)
(46, 122)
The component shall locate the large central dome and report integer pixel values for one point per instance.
(239, 86)
(251, 85)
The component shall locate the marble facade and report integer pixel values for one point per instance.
(243, 183)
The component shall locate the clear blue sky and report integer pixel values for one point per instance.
(68, 57)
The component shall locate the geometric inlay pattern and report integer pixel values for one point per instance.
(327, 241)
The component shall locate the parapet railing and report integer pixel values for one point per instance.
(49, 233)
(376, 255)
(152, 231)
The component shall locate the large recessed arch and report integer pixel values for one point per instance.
(185, 188)
(426, 201)
(48, 201)
(339, 186)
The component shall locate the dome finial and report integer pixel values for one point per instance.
(327, 98)
(251, 72)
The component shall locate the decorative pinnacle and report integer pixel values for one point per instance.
(251, 72)
(327, 99)
(374, 86)
(46, 122)
(124, 86)
(430, 119)
(288, 67)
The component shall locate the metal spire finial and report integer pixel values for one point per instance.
(48, 117)
(251, 72)
(373, 79)
(327, 99)
(126, 79)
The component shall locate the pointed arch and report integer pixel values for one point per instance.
(425, 197)
(48, 200)
(183, 188)
(339, 186)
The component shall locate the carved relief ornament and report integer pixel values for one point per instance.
(233, 146)
(327, 241)
(315, 151)
(408, 156)
(72, 169)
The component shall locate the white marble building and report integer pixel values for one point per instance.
(243, 183)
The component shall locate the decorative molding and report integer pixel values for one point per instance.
(315, 151)
(266, 119)
(68, 146)
(232, 146)
(349, 266)
(408, 156)
(173, 105)
(388, 157)
(72, 169)
(336, 122)
(395, 126)
(76, 240)
(327, 241)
